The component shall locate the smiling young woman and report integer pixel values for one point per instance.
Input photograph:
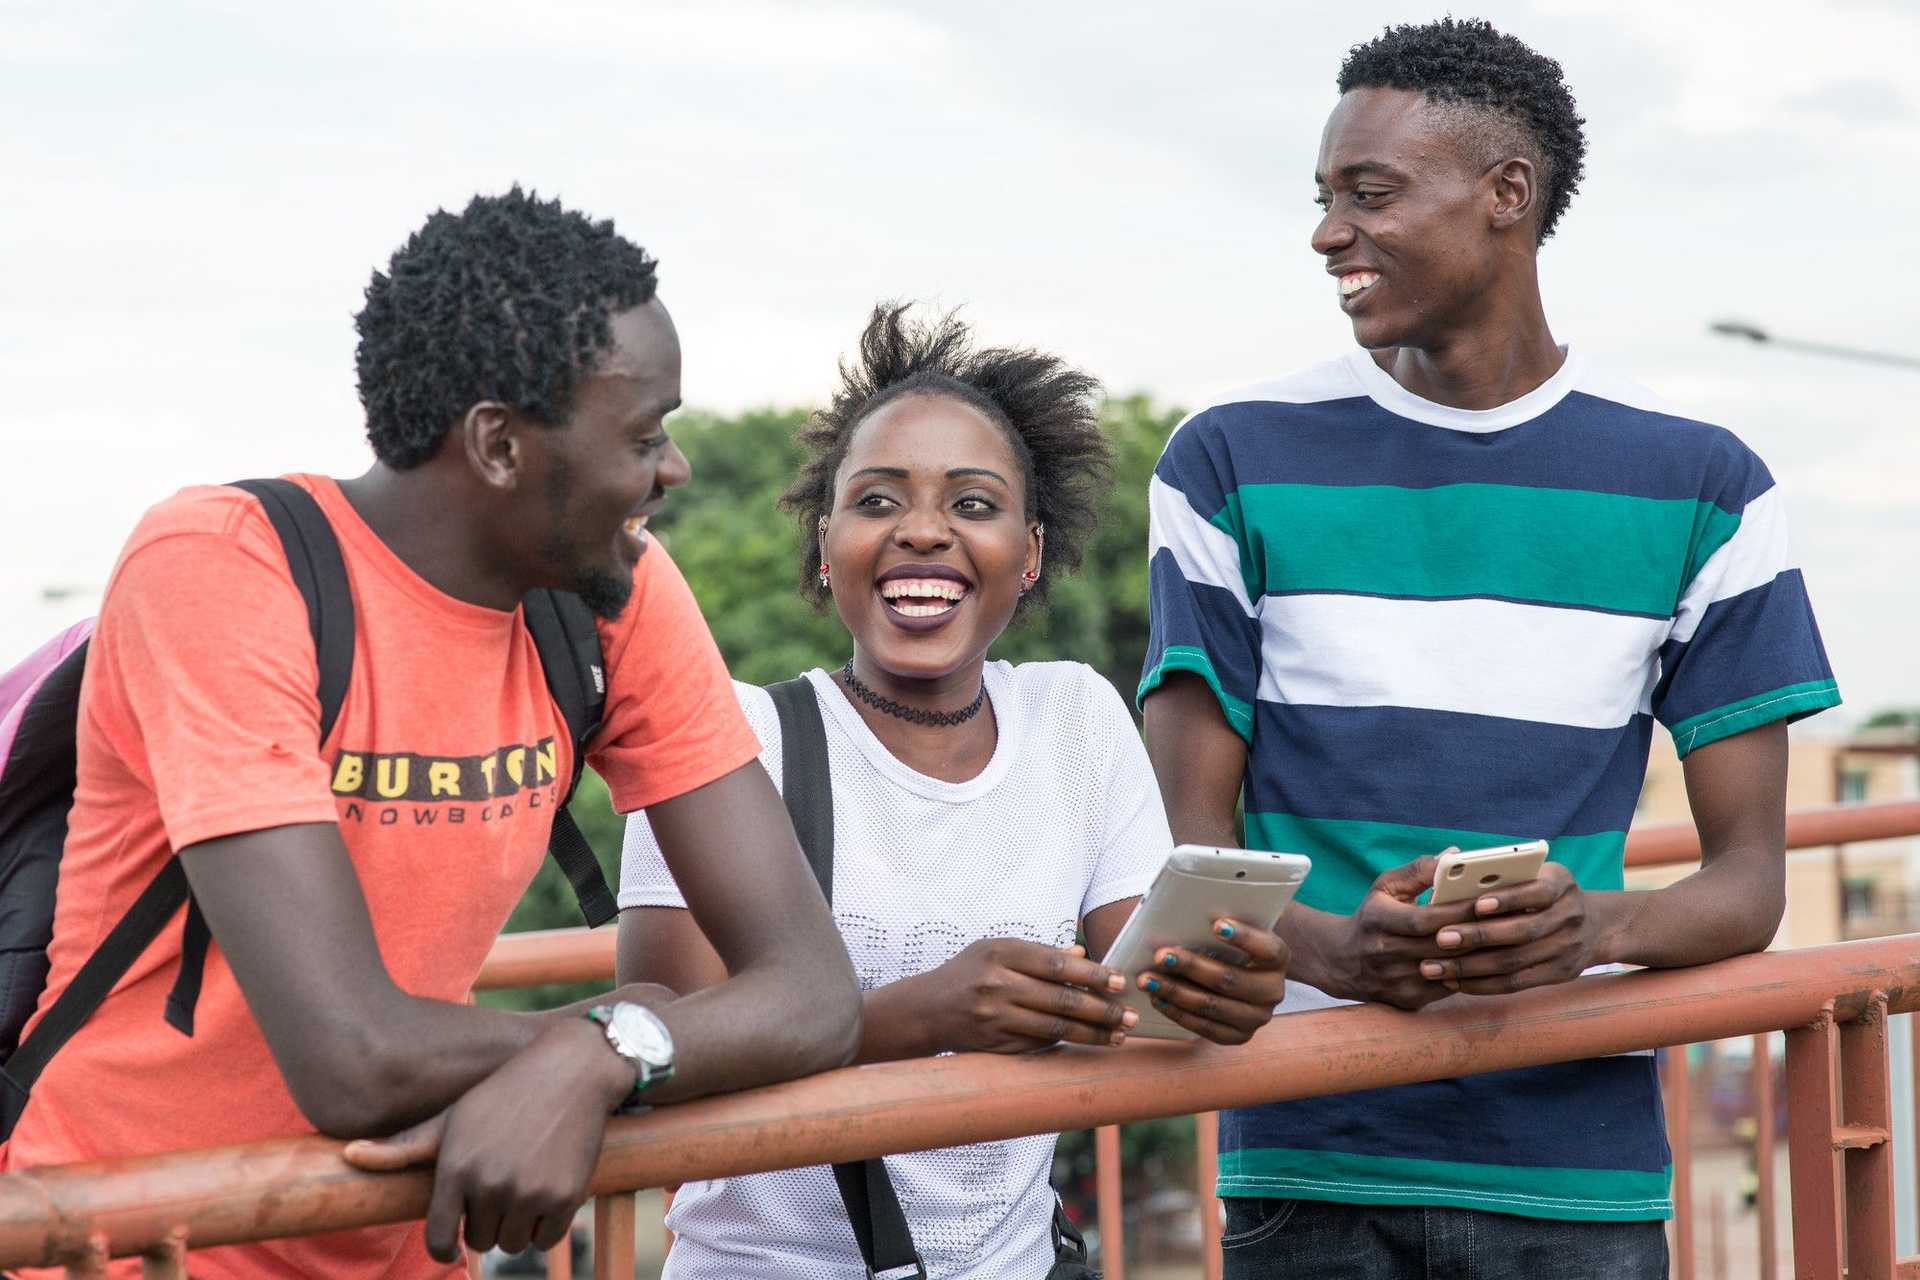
(982, 811)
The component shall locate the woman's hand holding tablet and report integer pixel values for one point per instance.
(1199, 953)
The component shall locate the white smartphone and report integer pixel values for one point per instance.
(1465, 874)
(1198, 885)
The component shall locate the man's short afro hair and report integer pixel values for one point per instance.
(509, 301)
(1467, 62)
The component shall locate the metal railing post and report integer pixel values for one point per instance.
(92, 1262)
(1867, 1152)
(1811, 1122)
(614, 1235)
(168, 1261)
(1679, 1091)
(1763, 1156)
(1913, 1039)
(560, 1259)
(1206, 1174)
(1106, 1174)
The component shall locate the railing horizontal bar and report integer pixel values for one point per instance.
(1857, 1137)
(586, 955)
(548, 955)
(300, 1185)
(1667, 843)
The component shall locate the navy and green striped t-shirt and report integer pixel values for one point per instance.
(1439, 627)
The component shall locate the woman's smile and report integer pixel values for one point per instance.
(922, 597)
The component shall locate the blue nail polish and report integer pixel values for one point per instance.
(1171, 962)
(1159, 1004)
(1226, 931)
(1153, 984)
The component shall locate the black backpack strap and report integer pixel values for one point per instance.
(320, 573)
(568, 642)
(195, 936)
(108, 963)
(1069, 1246)
(879, 1228)
(805, 783)
(873, 1207)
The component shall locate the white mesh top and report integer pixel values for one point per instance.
(1065, 818)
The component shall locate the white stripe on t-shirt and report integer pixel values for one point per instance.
(1205, 552)
(1755, 555)
(1480, 657)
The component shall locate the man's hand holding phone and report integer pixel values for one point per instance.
(1525, 935)
(1377, 952)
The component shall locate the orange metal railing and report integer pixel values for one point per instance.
(1832, 1000)
(575, 955)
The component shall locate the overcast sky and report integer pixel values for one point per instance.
(195, 194)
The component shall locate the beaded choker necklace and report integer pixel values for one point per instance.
(942, 719)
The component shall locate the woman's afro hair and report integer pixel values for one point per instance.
(1050, 412)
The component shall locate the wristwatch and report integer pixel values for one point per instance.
(637, 1034)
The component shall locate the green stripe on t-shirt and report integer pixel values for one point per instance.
(1347, 854)
(1602, 1195)
(1788, 701)
(1184, 657)
(1557, 546)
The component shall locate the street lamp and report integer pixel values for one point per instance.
(1754, 333)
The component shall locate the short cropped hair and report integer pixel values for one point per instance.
(1465, 62)
(511, 301)
(1049, 410)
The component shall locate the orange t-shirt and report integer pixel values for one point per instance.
(199, 718)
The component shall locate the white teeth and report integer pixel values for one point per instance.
(636, 526)
(922, 589)
(920, 610)
(1354, 283)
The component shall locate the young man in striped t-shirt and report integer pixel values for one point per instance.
(1435, 593)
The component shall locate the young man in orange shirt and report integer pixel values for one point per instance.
(515, 366)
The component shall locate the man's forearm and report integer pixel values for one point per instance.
(428, 1053)
(767, 1023)
(1715, 913)
(419, 1056)
(1737, 789)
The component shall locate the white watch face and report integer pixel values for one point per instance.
(642, 1034)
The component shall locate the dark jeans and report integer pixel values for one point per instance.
(1315, 1240)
